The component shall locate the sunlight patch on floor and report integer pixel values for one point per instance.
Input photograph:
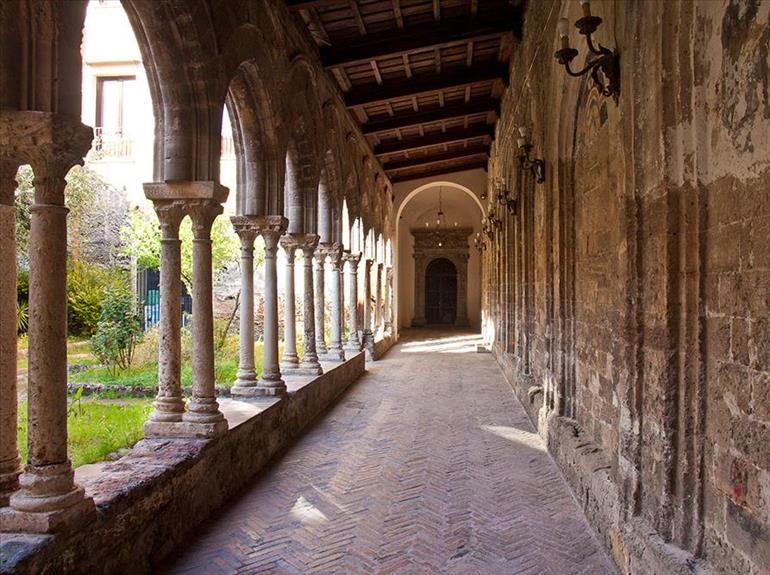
(306, 512)
(532, 440)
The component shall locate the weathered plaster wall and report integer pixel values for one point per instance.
(629, 297)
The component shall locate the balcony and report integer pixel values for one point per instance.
(108, 145)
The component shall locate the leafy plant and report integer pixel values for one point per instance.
(22, 317)
(87, 285)
(118, 332)
(75, 407)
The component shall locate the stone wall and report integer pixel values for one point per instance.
(629, 295)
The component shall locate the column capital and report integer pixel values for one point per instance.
(351, 258)
(368, 263)
(246, 229)
(51, 143)
(186, 190)
(334, 253)
(170, 215)
(203, 213)
(271, 228)
(308, 244)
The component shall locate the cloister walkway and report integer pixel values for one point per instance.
(427, 465)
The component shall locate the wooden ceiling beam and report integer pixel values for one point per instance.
(419, 142)
(470, 152)
(305, 4)
(426, 84)
(431, 115)
(441, 34)
(437, 171)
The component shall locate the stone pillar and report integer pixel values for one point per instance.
(462, 291)
(354, 343)
(310, 364)
(388, 306)
(169, 404)
(378, 301)
(289, 360)
(9, 452)
(367, 335)
(336, 352)
(48, 498)
(203, 416)
(247, 376)
(271, 228)
(320, 324)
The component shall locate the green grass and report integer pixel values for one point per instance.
(78, 352)
(96, 429)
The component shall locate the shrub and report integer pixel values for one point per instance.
(87, 285)
(22, 317)
(118, 332)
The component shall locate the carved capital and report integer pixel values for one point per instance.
(51, 143)
(203, 213)
(271, 228)
(333, 252)
(246, 229)
(170, 214)
(368, 265)
(308, 244)
(351, 258)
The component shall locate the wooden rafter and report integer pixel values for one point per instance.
(448, 137)
(426, 84)
(437, 171)
(442, 34)
(475, 151)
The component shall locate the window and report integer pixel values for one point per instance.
(113, 97)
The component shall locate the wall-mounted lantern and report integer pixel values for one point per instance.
(504, 198)
(605, 60)
(535, 165)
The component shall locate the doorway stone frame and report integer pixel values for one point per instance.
(454, 247)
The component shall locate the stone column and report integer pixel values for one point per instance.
(247, 376)
(271, 228)
(388, 307)
(462, 291)
(310, 364)
(336, 352)
(354, 343)
(367, 335)
(9, 453)
(203, 416)
(320, 324)
(378, 301)
(289, 360)
(169, 404)
(48, 497)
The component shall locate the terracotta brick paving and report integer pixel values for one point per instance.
(428, 465)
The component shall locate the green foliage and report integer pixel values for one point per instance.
(96, 429)
(141, 240)
(118, 332)
(87, 285)
(23, 198)
(22, 317)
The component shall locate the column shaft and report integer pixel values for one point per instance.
(203, 410)
(290, 359)
(320, 323)
(378, 301)
(169, 404)
(353, 343)
(387, 307)
(9, 452)
(310, 363)
(48, 494)
(336, 352)
(368, 336)
(246, 377)
(271, 383)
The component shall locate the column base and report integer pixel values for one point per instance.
(310, 368)
(335, 355)
(320, 348)
(76, 514)
(9, 482)
(183, 429)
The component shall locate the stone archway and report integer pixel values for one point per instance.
(430, 245)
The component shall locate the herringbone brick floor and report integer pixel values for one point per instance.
(428, 465)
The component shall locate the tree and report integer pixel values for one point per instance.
(141, 240)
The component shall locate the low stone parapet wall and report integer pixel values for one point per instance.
(151, 501)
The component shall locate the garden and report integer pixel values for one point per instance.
(112, 350)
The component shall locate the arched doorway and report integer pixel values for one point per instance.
(441, 292)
